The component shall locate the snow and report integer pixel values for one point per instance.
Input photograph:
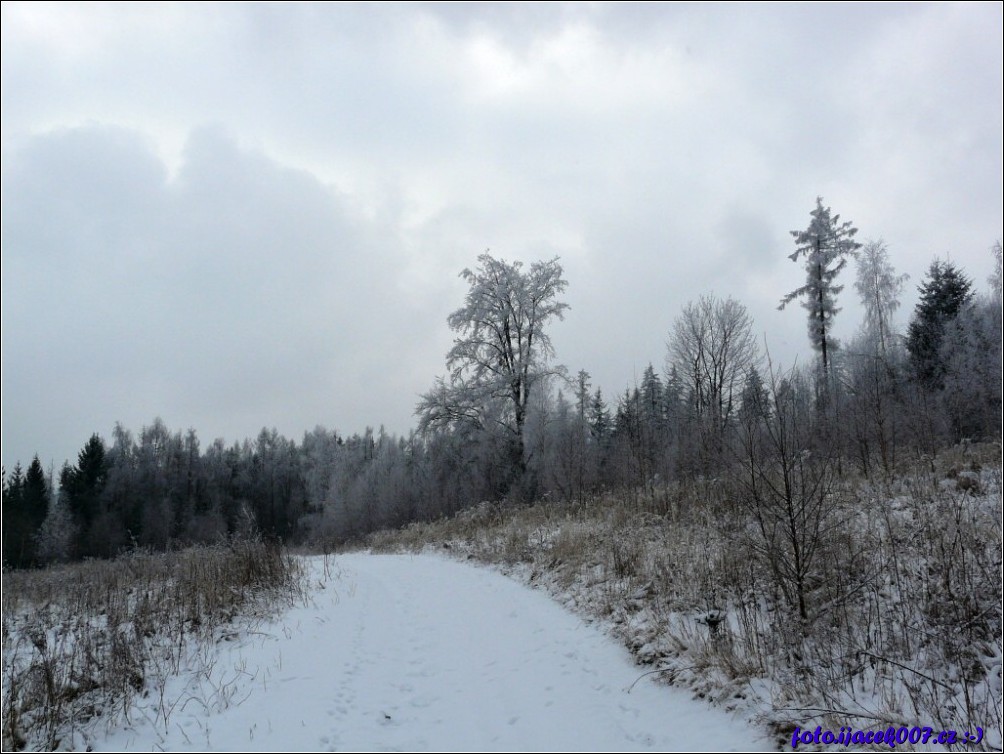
(405, 652)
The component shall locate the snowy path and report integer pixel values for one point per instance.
(422, 653)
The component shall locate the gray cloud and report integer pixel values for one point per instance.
(236, 295)
(295, 262)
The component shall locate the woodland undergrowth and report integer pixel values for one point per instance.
(902, 600)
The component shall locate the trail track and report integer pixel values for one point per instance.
(404, 652)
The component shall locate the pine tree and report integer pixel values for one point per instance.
(755, 400)
(25, 503)
(35, 503)
(15, 527)
(599, 419)
(652, 398)
(942, 296)
(825, 245)
(83, 485)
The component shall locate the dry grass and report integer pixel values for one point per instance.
(79, 641)
(904, 607)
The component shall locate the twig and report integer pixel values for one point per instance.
(657, 670)
(906, 667)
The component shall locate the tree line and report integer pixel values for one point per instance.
(506, 423)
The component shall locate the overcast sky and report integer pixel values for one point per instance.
(237, 216)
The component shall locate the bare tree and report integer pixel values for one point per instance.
(788, 488)
(501, 353)
(712, 348)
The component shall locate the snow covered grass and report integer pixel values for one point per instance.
(80, 641)
(420, 653)
(903, 602)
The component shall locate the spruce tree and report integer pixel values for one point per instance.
(83, 485)
(599, 419)
(35, 506)
(825, 246)
(15, 526)
(944, 294)
(25, 504)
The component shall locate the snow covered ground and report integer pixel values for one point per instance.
(402, 652)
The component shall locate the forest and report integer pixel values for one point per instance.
(508, 424)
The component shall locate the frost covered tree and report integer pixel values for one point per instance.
(997, 278)
(585, 452)
(563, 450)
(55, 538)
(879, 287)
(970, 356)
(825, 246)
(871, 373)
(502, 350)
(710, 349)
